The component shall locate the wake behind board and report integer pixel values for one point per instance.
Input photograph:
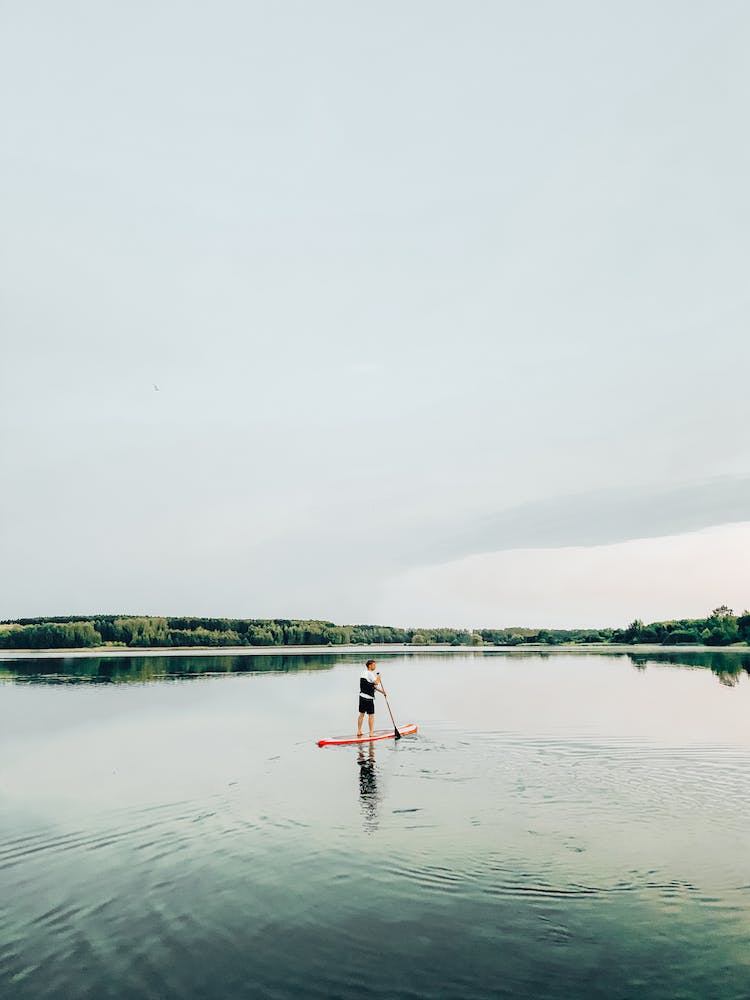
(380, 734)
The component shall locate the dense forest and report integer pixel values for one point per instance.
(721, 628)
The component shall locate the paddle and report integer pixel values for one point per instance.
(396, 733)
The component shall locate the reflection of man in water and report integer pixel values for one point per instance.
(369, 682)
(368, 785)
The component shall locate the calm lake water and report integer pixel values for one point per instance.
(563, 826)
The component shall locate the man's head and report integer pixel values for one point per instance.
(370, 664)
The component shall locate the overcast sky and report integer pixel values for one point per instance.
(447, 306)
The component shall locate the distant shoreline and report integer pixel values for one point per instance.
(130, 651)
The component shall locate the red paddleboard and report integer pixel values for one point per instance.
(380, 734)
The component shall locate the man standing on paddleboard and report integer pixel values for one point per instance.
(369, 681)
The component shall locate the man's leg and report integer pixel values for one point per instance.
(359, 723)
(371, 721)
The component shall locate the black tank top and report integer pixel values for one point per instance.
(367, 687)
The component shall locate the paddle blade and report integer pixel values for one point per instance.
(396, 734)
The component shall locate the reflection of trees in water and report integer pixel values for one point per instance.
(727, 679)
(728, 666)
(140, 669)
(368, 787)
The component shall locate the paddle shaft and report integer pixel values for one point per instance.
(396, 733)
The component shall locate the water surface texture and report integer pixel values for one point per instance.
(564, 826)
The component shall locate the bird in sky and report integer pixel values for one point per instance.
(156, 387)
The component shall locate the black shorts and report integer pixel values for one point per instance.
(367, 705)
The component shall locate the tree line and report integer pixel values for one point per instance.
(721, 628)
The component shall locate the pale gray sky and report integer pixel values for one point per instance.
(419, 282)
